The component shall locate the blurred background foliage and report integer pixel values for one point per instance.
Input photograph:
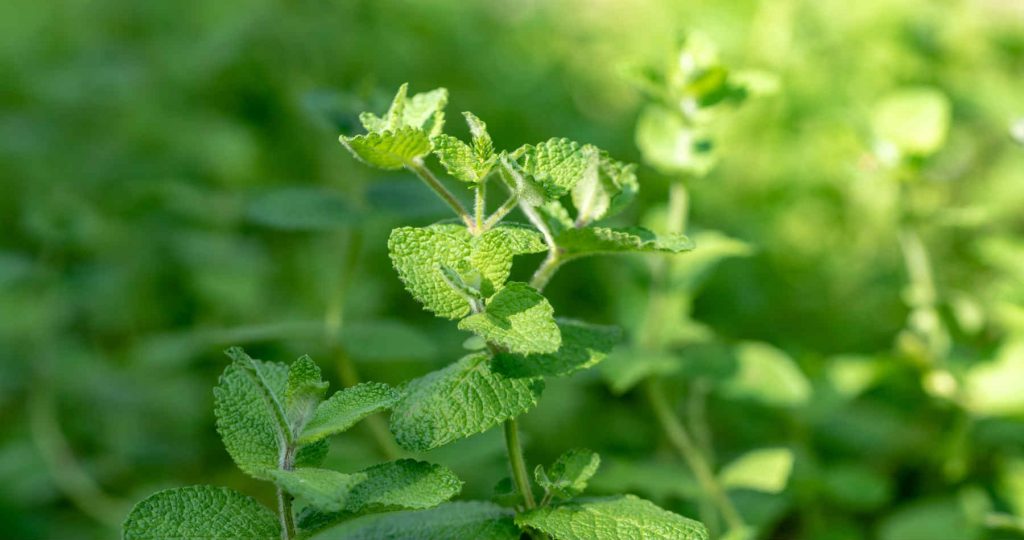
(171, 183)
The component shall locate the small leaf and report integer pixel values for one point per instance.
(471, 519)
(769, 375)
(555, 165)
(346, 407)
(606, 187)
(406, 112)
(583, 346)
(455, 281)
(914, 120)
(201, 513)
(389, 150)
(302, 209)
(626, 367)
(604, 240)
(517, 318)
(765, 470)
(613, 518)
(460, 400)
(467, 163)
(405, 483)
(567, 477)
(303, 391)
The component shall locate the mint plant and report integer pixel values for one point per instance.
(275, 422)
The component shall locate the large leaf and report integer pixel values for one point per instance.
(517, 318)
(469, 520)
(405, 483)
(201, 513)
(460, 400)
(604, 240)
(614, 518)
(583, 346)
(346, 407)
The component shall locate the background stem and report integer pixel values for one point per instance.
(520, 476)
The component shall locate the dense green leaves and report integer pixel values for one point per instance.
(460, 400)
(476, 520)
(200, 513)
(567, 477)
(613, 518)
(465, 162)
(404, 483)
(346, 407)
(517, 318)
(583, 346)
(604, 240)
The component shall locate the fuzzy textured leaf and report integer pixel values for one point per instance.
(303, 391)
(471, 519)
(614, 518)
(567, 477)
(519, 319)
(459, 400)
(605, 240)
(246, 420)
(606, 187)
(346, 407)
(200, 513)
(405, 483)
(389, 150)
(464, 162)
(583, 346)
(555, 165)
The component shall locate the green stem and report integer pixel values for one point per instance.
(501, 212)
(420, 169)
(520, 476)
(284, 500)
(480, 206)
(683, 443)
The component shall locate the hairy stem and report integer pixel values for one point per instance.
(420, 169)
(502, 211)
(520, 476)
(683, 443)
(551, 263)
(480, 206)
(284, 500)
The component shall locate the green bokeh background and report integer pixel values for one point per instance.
(136, 138)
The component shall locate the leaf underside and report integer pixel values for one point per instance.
(623, 517)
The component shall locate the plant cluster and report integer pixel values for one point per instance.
(274, 420)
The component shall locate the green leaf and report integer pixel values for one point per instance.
(670, 145)
(303, 391)
(250, 417)
(460, 400)
(930, 519)
(604, 240)
(567, 477)
(418, 252)
(483, 262)
(626, 367)
(200, 513)
(606, 187)
(389, 150)
(583, 346)
(467, 163)
(769, 375)
(765, 470)
(556, 165)
(346, 407)
(914, 120)
(322, 489)
(517, 318)
(471, 519)
(993, 388)
(405, 483)
(623, 517)
(406, 112)
(302, 209)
